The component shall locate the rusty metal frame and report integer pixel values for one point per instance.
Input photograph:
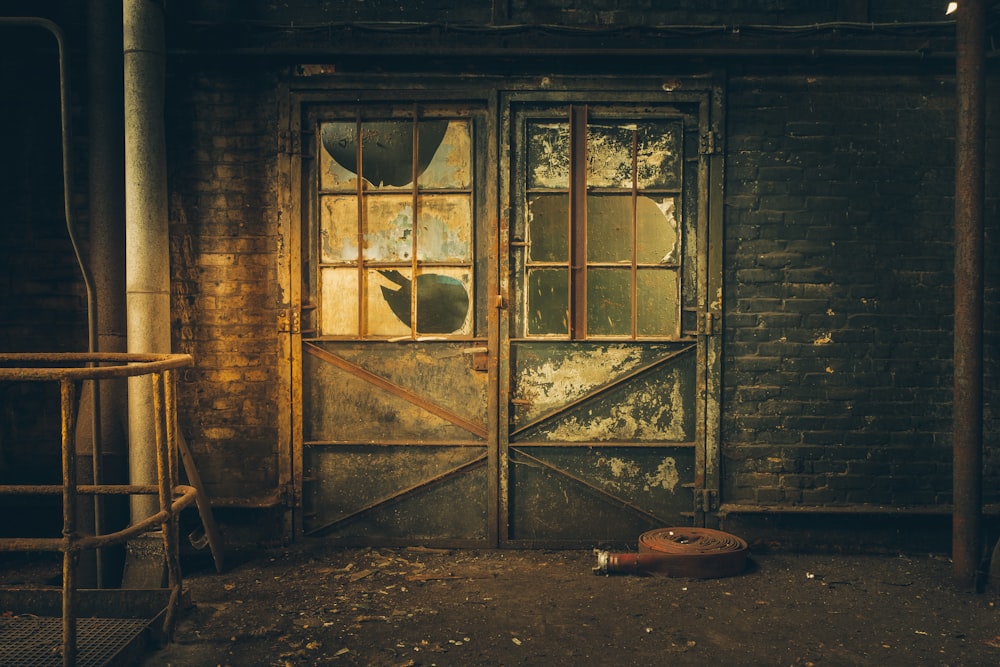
(69, 370)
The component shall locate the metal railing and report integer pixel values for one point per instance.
(70, 370)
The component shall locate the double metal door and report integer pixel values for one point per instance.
(504, 310)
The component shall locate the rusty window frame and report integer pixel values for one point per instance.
(361, 116)
(579, 118)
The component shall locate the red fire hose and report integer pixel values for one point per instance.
(696, 553)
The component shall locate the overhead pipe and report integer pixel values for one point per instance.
(147, 265)
(967, 398)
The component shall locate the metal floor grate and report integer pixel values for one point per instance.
(36, 641)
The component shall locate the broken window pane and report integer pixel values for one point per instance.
(388, 304)
(386, 150)
(548, 228)
(443, 298)
(444, 231)
(451, 165)
(338, 139)
(548, 301)
(657, 230)
(548, 155)
(339, 317)
(657, 304)
(609, 302)
(338, 228)
(389, 233)
(609, 228)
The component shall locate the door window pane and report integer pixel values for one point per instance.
(609, 228)
(389, 233)
(657, 293)
(548, 155)
(339, 318)
(548, 228)
(609, 156)
(548, 301)
(657, 228)
(450, 166)
(658, 155)
(444, 229)
(338, 233)
(443, 298)
(609, 302)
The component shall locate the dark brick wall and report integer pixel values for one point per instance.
(839, 290)
(223, 237)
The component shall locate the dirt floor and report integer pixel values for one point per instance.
(311, 604)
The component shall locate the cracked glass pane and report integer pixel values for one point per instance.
(657, 230)
(451, 166)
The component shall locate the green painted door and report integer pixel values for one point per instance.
(606, 364)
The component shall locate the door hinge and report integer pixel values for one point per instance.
(289, 321)
(499, 301)
(288, 496)
(709, 143)
(289, 142)
(707, 322)
(706, 500)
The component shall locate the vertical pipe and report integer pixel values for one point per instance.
(147, 269)
(968, 384)
(106, 198)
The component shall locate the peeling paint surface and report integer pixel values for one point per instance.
(638, 416)
(629, 475)
(559, 381)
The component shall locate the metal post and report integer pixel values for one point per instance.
(147, 266)
(968, 385)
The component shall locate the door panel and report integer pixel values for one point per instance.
(603, 438)
(396, 266)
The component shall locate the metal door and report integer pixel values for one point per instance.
(605, 379)
(542, 377)
(396, 426)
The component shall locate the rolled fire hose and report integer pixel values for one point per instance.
(695, 553)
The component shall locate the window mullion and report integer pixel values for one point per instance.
(414, 170)
(362, 208)
(578, 222)
(635, 232)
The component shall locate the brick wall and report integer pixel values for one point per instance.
(838, 278)
(221, 162)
